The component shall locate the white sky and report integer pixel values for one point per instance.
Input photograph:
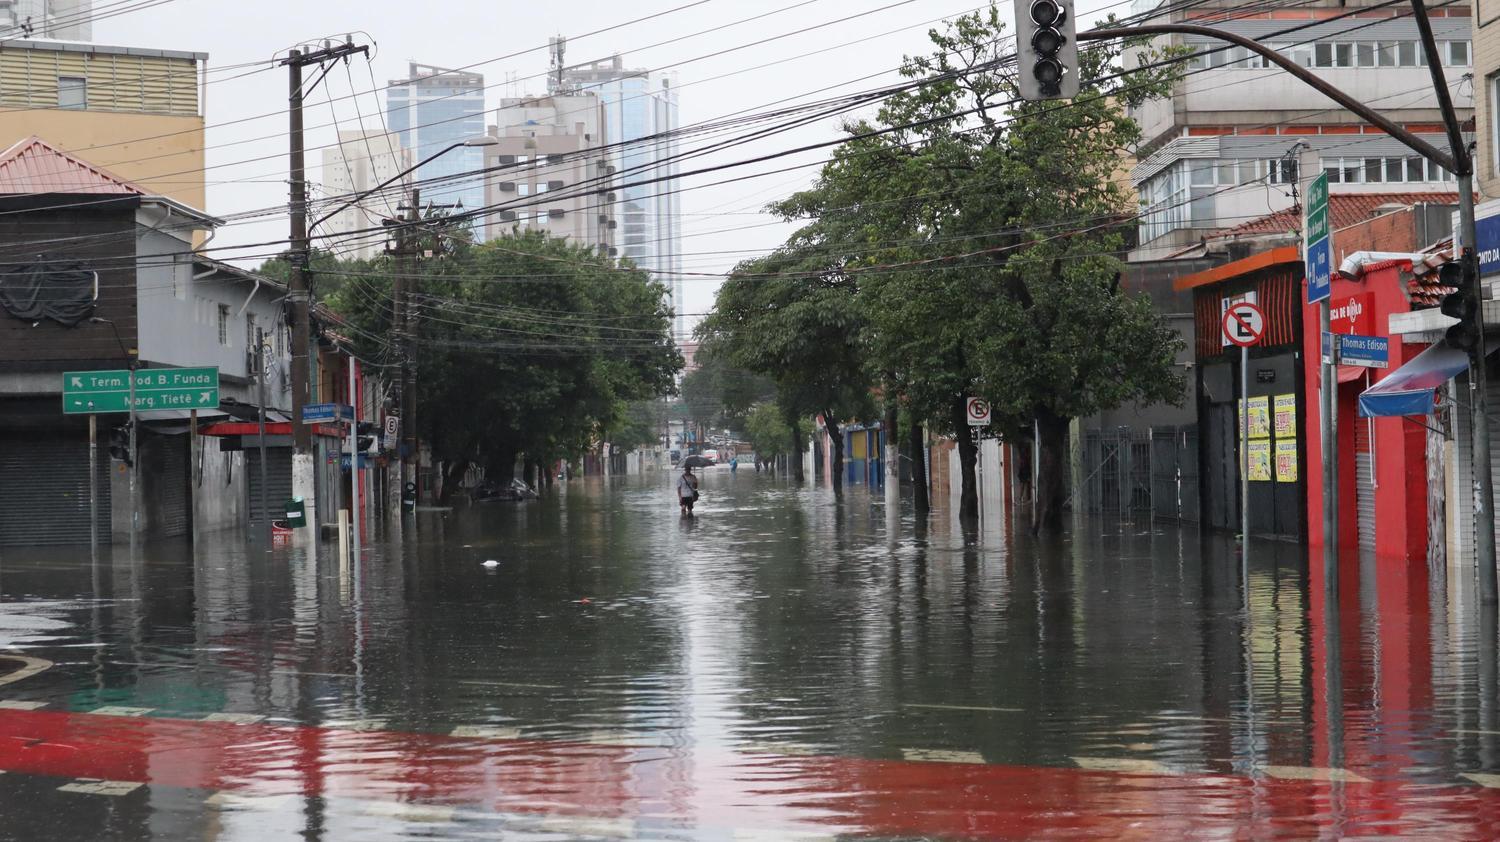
(247, 160)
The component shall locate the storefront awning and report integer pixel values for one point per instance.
(1408, 390)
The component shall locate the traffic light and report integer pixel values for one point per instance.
(119, 444)
(1461, 304)
(1046, 51)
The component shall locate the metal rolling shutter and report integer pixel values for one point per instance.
(1364, 482)
(44, 490)
(278, 481)
(172, 497)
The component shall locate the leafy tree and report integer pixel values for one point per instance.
(767, 430)
(793, 316)
(527, 345)
(975, 238)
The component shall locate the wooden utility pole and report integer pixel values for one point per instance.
(300, 256)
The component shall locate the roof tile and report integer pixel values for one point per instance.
(35, 166)
(1346, 209)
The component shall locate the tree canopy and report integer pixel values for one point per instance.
(526, 344)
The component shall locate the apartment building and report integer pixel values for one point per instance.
(1224, 148)
(550, 170)
(359, 163)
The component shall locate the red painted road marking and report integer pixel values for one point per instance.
(725, 789)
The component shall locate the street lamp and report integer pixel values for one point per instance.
(133, 361)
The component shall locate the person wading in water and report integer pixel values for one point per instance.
(687, 490)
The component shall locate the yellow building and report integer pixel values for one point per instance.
(135, 112)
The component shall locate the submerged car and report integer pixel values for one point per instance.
(492, 492)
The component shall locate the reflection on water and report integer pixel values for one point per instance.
(781, 662)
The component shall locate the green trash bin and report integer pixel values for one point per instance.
(296, 513)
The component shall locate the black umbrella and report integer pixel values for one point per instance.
(696, 462)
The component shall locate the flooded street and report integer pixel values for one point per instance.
(781, 667)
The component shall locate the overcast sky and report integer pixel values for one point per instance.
(247, 159)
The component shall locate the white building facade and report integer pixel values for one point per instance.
(550, 169)
(359, 163)
(68, 20)
(638, 105)
(1225, 147)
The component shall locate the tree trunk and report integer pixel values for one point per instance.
(451, 478)
(968, 501)
(921, 498)
(836, 451)
(1050, 490)
(794, 459)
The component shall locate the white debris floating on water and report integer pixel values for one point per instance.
(492, 563)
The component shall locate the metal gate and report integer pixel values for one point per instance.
(170, 494)
(1117, 468)
(44, 490)
(1364, 482)
(278, 482)
(1174, 473)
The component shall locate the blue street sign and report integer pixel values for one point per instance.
(1319, 262)
(1329, 354)
(363, 461)
(315, 412)
(1487, 243)
(1367, 351)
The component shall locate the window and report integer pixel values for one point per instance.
(224, 325)
(1365, 54)
(1323, 55)
(523, 189)
(1383, 170)
(72, 92)
(1457, 54)
(541, 187)
(1406, 54)
(1343, 55)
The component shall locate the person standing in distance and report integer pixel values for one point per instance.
(687, 490)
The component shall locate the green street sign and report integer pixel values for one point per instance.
(88, 392)
(1317, 224)
(1317, 194)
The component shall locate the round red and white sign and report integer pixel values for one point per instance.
(1244, 324)
(979, 412)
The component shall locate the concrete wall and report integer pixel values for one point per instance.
(160, 152)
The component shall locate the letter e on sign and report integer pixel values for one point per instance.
(1244, 324)
(978, 411)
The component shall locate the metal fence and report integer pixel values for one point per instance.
(1142, 473)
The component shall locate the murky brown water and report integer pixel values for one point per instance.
(781, 665)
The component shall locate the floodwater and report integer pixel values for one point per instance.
(781, 667)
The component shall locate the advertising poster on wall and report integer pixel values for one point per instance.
(1286, 461)
(1285, 409)
(1260, 461)
(1260, 416)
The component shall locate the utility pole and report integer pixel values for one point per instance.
(405, 274)
(260, 379)
(304, 483)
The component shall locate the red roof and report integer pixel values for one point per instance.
(1346, 209)
(36, 166)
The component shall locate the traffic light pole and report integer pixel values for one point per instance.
(1460, 163)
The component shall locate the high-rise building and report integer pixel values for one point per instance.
(638, 104)
(360, 162)
(68, 20)
(1226, 147)
(551, 146)
(430, 111)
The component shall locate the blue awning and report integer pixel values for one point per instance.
(1408, 390)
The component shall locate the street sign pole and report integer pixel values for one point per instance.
(1327, 430)
(94, 483)
(1244, 325)
(1245, 458)
(354, 467)
(135, 502)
